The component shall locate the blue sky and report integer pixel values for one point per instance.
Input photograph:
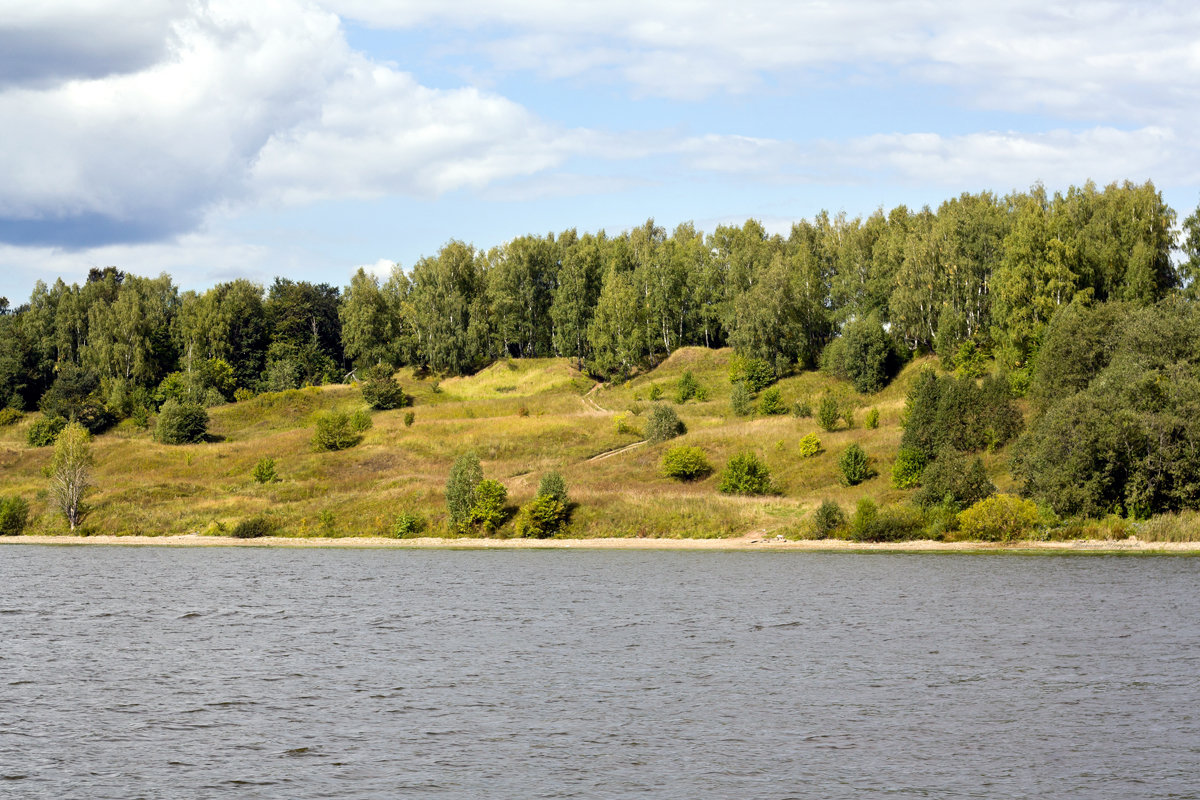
(219, 139)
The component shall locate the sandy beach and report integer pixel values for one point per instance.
(742, 543)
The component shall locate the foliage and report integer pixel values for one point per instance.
(409, 418)
(335, 430)
(360, 421)
(756, 373)
(465, 475)
(71, 472)
(487, 505)
(907, 468)
(685, 463)
(181, 423)
(999, 518)
(740, 400)
(828, 519)
(75, 395)
(864, 354)
(254, 527)
(407, 525)
(663, 424)
(854, 465)
(770, 402)
(44, 430)
(950, 479)
(655, 392)
(889, 524)
(14, 514)
(688, 388)
(553, 485)
(9, 416)
(810, 445)
(872, 420)
(242, 394)
(959, 413)
(623, 426)
(829, 413)
(745, 473)
(264, 471)
(802, 409)
(382, 391)
(541, 517)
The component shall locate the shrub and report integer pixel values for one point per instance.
(687, 388)
(848, 417)
(890, 524)
(872, 420)
(241, 395)
(771, 403)
(802, 409)
(264, 471)
(907, 469)
(140, 418)
(622, 425)
(9, 416)
(828, 520)
(334, 430)
(14, 514)
(756, 373)
(465, 475)
(685, 463)
(541, 517)
(409, 418)
(854, 465)
(381, 391)
(408, 525)
(75, 394)
(523, 411)
(43, 431)
(487, 505)
(864, 354)
(553, 485)
(810, 445)
(253, 527)
(958, 413)
(746, 474)
(361, 421)
(740, 400)
(829, 413)
(181, 423)
(999, 518)
(950, 480)
(663, 424)
(655, 393)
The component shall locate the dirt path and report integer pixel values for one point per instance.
(590, 403)
(617, 452)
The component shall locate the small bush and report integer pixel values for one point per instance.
(264, 471)
(848, 417)
(622, 425)
(14, 514)
(44, 430)
(891, 524)
(828, 520)
(810, 445)
(999, 518)
(361, 421)
(541, 517)
(687, 388)
(381, 391)
(771, 402)
(854, 465)
(663, 424)
(746, 474)
(907, 469)
(242, 394)
(829, 413)
(685, 463)
(655, 392)
(9, 416)
(872, 420)
(756, 373)
(139, 418)
(465, 475)
(487, 505)
(335, 430)
(523, 411)
(802, 409)
(254, 527)
(408, 525)
(740, 400)
(553, 485)
(409, 418)
(213, 398)
(181, 423)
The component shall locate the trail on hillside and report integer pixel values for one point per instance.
(590, 403)
(618, 451)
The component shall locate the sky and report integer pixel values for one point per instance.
(218, 139)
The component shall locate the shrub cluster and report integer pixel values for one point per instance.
(337, 430)
(487, 505)
(9, 416)
(465, 475)
(546, 514)
(746, 474)
(663, 424)
(864, 354)
(951, 480)
(381, 391)
(688, 388)
(740, 399)
(959, 413)
(44, 430)
(14, 515)
(889, 524)
(408, 525)
(829, 413)
(685, 463)
(770, 402)
(828, 520)
(254, 527)
(907, 468)
(181, 423)
(999, 518)
(756, 373)
(264, 471)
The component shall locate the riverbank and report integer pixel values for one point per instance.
(743, 543)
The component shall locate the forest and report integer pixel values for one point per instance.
(1078, 305)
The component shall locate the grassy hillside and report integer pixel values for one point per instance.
(523, 418)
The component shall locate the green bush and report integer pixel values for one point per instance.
(950, 479)
(9, 416)
(746, 474)
(361, 421)
(75, 394)
(770, 402)
(802, 409)
(872, 420)
(553, 485)
(890, 524)
(663, 424)
(381, 391)
(254, 527)
(829, 413)
(408, 525)
(487, 505)
(241, 395)
(687, 388)
(181, 423)
(409, 418)
(465, 475)
(907, 469)
(685, 463)
(264, 471)
(740, 400)
(756, 373)
(959, 413)
(44, 430)
(655, 393)
(999, 518)
(864, 354)
(854, 464)
(541, 517)
(810, 445)
(828, 520)
(14, 514)
(335, 430)
(622, 425)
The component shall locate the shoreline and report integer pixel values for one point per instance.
(745, 543)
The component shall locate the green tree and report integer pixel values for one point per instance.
(854, 465)
(465, 475)
(71, 471)
(745, 473)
